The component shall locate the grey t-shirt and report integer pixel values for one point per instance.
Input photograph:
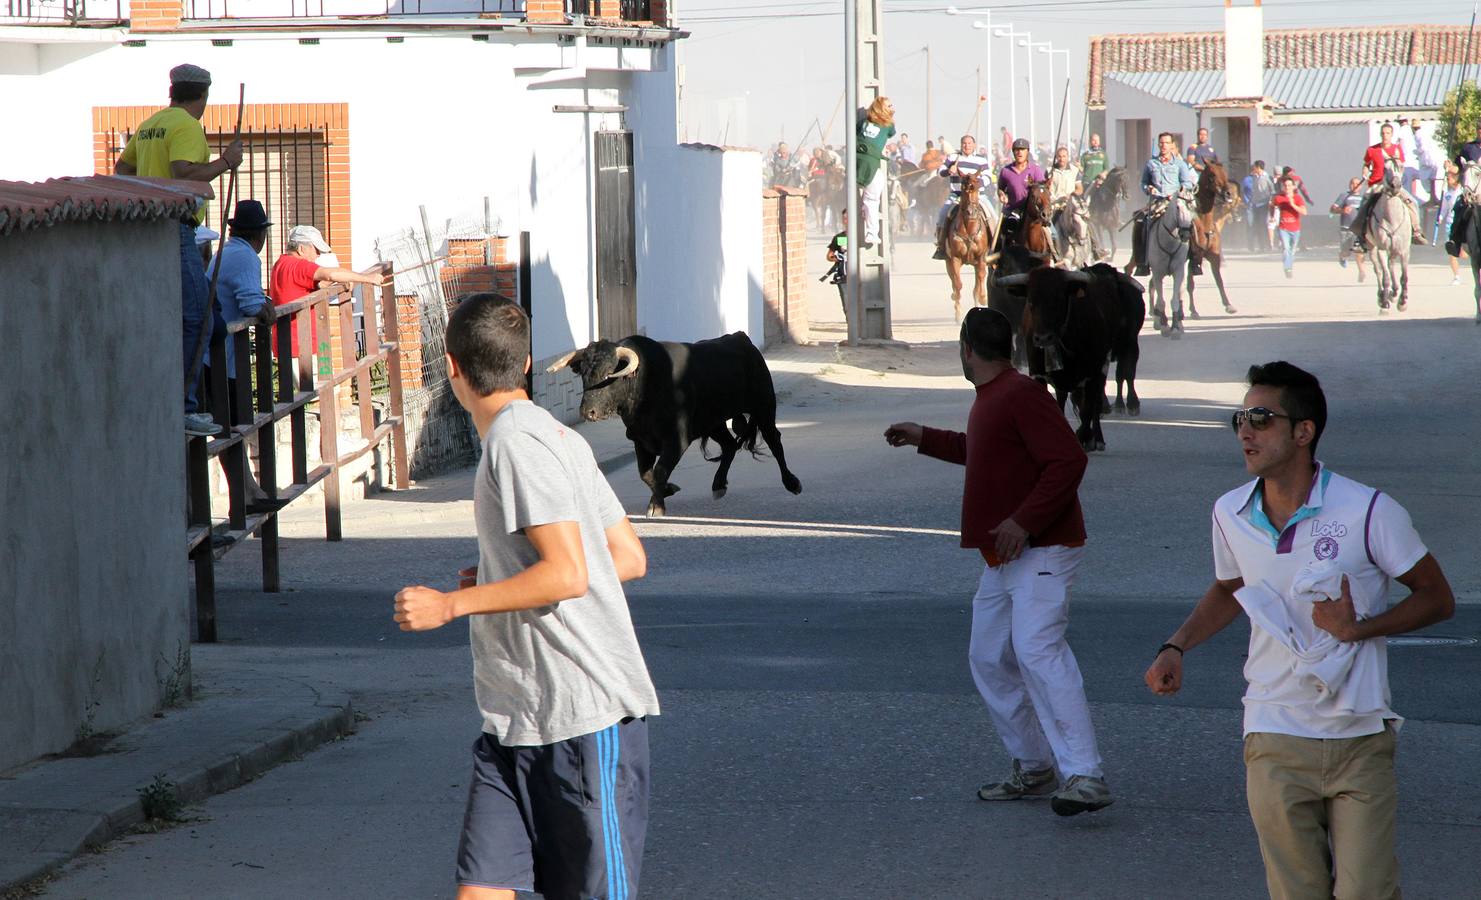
(549, 674)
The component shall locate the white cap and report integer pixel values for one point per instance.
(307, 234)
(204, 234)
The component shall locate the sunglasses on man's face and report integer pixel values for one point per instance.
(1259, 417)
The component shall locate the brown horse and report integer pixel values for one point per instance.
(825, 195)
(1216, 203)
(969, 237)
(1033, 235)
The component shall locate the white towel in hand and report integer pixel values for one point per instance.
(1319, 581)
(1326, 660)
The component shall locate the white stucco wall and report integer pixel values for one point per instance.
(1325, 156)
(1126, 103)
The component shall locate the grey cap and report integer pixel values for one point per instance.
(188, 74)
(1020, 144)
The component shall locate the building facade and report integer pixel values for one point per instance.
(559, 116)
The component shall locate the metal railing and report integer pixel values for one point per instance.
(61, 12)
(282, 392)
(332, 9)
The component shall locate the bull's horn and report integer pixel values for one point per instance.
(1076, 276)
(563, 361)
(1013, 280)
(628, 359)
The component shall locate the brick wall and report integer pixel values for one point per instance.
(784, 264)
(545, 11)
(156, 15)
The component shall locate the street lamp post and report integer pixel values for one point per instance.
(986, 25)
(980, 99)
(1007, 32)
(1041, 46)
(1069, 119)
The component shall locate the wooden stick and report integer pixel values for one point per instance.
(231, 186)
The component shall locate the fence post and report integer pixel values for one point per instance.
(390, 322)
(328, 424)
(267, 457)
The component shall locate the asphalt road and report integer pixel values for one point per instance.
(821, 736)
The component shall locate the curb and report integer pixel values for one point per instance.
(112, 816)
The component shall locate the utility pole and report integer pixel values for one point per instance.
(868, 285)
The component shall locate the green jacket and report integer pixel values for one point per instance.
(870, 154)
(1092, 164)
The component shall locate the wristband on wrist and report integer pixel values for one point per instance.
(1170, 647)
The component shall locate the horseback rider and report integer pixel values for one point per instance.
(957, 167)
(1376, 161)
(1064, 179)
(1093, 165)
(1013, 184)
(1203, 152)
(1469, 153)
(1163, 177)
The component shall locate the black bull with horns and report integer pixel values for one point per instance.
(1076, 322)
(668, 394)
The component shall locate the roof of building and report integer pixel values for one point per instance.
(1285, 48)
(1310, 90)
(96, 198)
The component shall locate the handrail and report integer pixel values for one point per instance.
(257, 408)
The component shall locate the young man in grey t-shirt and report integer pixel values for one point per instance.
(559, 796)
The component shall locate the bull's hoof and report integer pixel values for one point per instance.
(1106, 405)
(791, 483)
(1098, 444)
(1120, 406)
(718, 492)
(655, 510)
(1134, 408)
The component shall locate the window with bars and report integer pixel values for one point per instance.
(287, 171)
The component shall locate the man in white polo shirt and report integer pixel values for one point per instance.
(1307, 554)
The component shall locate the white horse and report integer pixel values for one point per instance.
(1072, 232)
(1389, 229)
(1167, 254)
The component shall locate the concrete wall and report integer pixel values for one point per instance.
(93, 590)
(700, 267)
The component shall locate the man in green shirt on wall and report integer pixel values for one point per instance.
(172, 144)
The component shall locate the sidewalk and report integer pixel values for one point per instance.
(241, 723)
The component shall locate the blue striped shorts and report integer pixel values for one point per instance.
(566, 820)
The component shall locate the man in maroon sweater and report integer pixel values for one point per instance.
(1020, 509)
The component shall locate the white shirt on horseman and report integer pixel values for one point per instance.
(1365, 534)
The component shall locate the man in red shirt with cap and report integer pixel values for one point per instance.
(1376, 162)
(297, 273)
(1021, 510)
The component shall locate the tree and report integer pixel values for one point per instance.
(1458, 116)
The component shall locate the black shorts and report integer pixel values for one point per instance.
(566, 820)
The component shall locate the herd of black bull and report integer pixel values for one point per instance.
(1070, 326)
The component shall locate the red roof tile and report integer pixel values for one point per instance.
(108, 198)
(1285, 48)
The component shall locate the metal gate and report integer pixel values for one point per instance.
(617, 274)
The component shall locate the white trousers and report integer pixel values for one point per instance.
(869, 198)
(1023, 666)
